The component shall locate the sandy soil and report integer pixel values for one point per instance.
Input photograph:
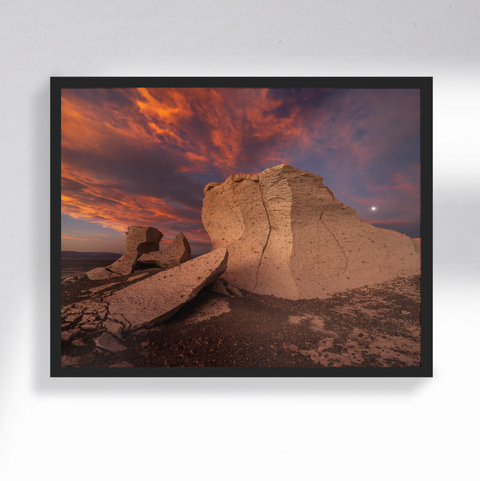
(377, 326)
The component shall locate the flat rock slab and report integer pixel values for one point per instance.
(108, 342)
(157, 298)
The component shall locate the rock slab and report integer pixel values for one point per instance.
(288, 236)
(108, 342)
(157, 298)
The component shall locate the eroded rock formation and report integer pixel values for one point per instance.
(288, 236)
(175, 254)
(140, 240)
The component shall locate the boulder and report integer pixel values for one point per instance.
(154, 300)
(101, 273)
(140, 240)
(219, 288)
(175, 254)
(114, 328)
(288, 236)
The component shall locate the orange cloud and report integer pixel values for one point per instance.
(142, 156)
(72, 237)
(154, 118)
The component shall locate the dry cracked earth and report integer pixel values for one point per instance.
(376, 326)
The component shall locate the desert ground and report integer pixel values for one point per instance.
(376, 326)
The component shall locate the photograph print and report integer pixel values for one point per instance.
(268, 227)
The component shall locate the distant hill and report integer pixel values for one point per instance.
(89, 255)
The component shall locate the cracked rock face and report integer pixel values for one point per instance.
(175, 254)
(288, 236)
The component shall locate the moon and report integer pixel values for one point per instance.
(374, 208)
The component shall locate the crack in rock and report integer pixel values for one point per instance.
(268, 237)
(331, 233)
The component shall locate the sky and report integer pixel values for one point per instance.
(143, 156)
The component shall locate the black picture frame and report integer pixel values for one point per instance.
(424, 84)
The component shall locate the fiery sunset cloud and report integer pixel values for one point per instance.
(143, 156)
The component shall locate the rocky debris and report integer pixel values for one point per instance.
(114, 328)
(107, 341)
(72, 318)
(175, 254)
(70, 279)
(144, 303)
(157, 298)
(69, 361)
(288, 236)
(87, 316)
(232, 290)
(78, 343)
(117, 317)
(69, 335)
(140, 240)
(91, 326)
(221, 286)
(122, 364)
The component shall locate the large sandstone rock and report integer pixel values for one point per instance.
(175, 254)
(140, 240)
(157, 298)
(288, 236)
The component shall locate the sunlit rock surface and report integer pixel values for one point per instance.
(288, 236)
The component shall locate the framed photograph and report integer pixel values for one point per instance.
(274, 227)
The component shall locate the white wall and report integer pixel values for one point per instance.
(236, 429)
